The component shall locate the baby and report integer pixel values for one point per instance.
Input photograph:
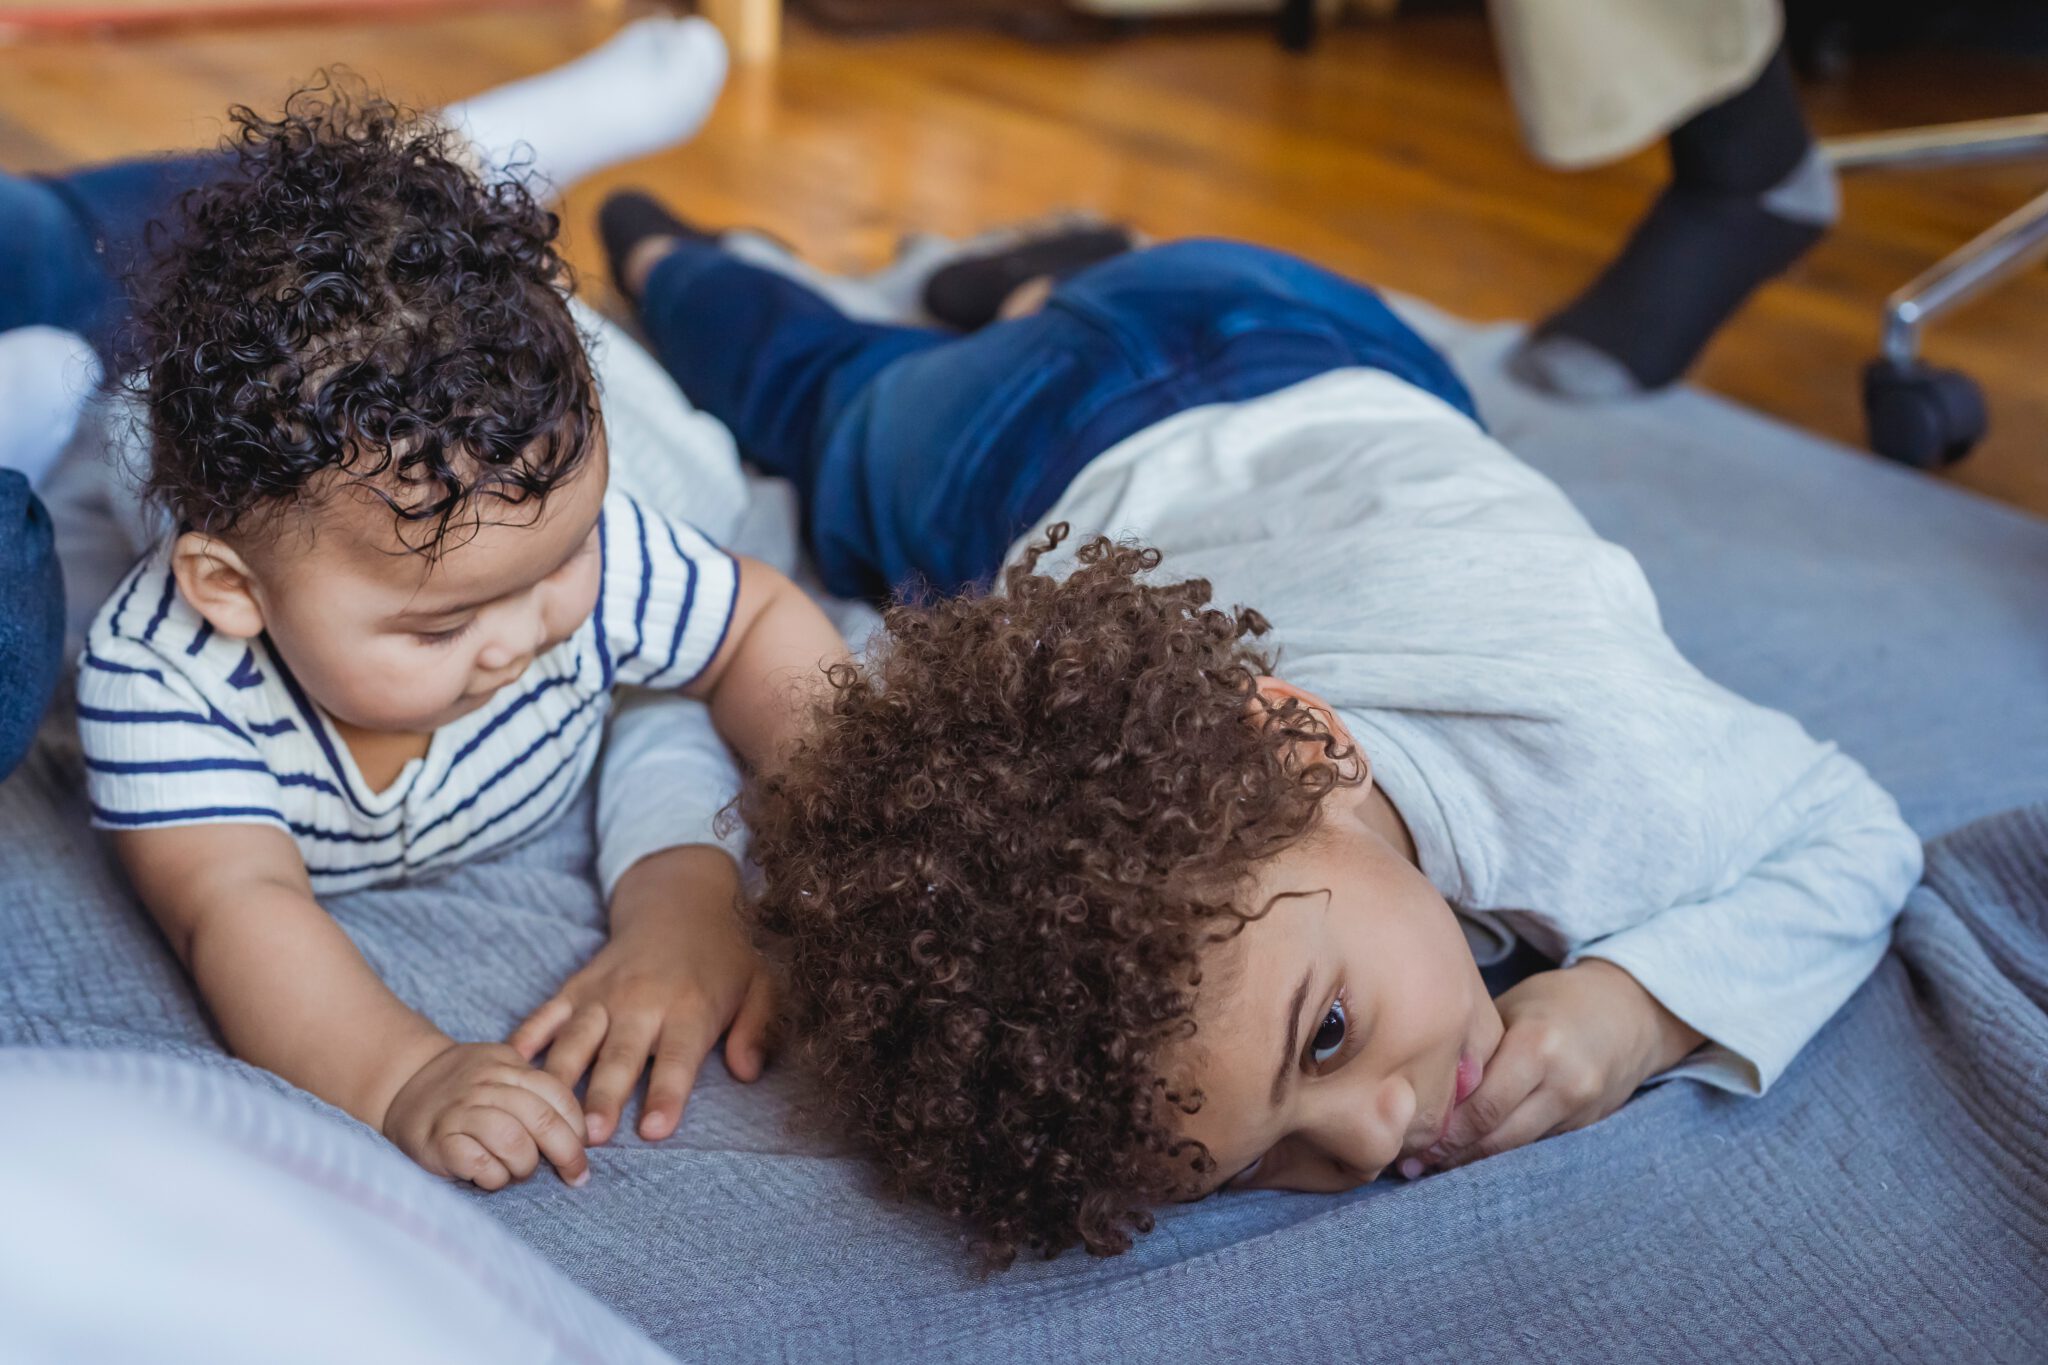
(383, 635)
(1102, 890)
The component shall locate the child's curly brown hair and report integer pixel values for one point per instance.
(993, 872)
(350, 296)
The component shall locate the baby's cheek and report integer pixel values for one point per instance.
(404, 686)
(568, 609)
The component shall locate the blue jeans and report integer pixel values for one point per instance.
(920, 455)
(31, 617)
(66, 246)
(67, 243)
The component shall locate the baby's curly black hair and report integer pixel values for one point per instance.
(351, 296)
(995, 870)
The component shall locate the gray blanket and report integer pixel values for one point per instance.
(1888, 1199)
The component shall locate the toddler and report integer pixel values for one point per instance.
(382, 636)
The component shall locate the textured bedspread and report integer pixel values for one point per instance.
(1889, 1199)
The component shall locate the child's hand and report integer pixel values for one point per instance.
(677, 972)
(1578, 1043)
(479, 1112)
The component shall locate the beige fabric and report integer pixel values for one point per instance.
(1596, 80)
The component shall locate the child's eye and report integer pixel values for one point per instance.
(443, 637)
(1329, 1037)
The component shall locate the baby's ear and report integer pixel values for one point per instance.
(217, 581)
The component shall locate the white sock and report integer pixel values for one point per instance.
(46, 375)
(648, 86)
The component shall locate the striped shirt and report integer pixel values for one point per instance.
(183, 726)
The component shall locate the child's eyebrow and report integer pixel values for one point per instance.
(1293, 1035)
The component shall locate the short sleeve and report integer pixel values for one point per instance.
(667, 597)
(157, 753)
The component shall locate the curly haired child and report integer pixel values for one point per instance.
(382, 637)
(1097, 891)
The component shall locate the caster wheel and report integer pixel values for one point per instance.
(1921, 416)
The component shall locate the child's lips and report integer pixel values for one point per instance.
(1470, 1073)
(1463, 1082)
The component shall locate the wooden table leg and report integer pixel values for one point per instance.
(752, 28)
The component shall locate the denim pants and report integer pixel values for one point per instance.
(66, 246)
(68, 243)
(31, 617)
(919, 456)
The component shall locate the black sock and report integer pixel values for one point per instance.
(1748, 196)
(629, 218)
(1748, 142)
(968, 293)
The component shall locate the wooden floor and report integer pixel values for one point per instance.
(1390, 154)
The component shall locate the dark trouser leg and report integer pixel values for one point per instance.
(782, 368)
(31, 617)
(1749, 194)
(69, 243)
(920, 457)
(774, 361)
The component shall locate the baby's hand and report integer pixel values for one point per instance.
(677, 973)
(479, 1112)
(1578, 1043)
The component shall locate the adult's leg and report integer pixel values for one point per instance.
(66, 245)
(1749, 194)
(68, 242)
(31, 617)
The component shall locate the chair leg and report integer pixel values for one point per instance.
(1998, 253)
(1945, 144)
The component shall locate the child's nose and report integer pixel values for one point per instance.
(1366, 1131)
(522, 638)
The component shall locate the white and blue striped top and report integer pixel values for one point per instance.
(182, 726)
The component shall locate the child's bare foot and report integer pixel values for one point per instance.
(1027, 298)
(640, 263)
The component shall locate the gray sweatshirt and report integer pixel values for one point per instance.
(1569, 779)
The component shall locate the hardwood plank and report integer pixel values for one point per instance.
(1390, 153)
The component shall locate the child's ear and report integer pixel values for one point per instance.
(217, 581)
(1277, 689)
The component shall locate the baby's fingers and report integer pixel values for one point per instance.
(543, 1130)
(462, 1157)
(540, 1027)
